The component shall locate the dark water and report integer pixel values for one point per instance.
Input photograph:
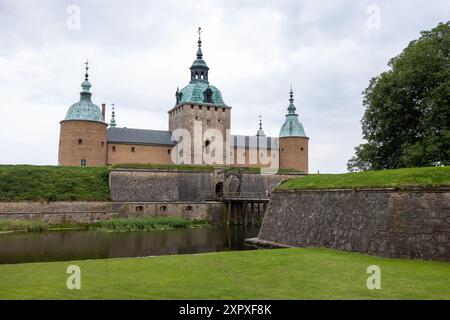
(79, 245)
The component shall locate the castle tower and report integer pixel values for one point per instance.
(83, 140)
(200, 104)
(293, 141)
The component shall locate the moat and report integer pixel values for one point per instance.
(22, 247)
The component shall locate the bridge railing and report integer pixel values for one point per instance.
(226, 196)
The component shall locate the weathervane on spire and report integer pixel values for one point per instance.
(113, 116)
(291, 95)
(199, 51)
(86, 76)
(260, 122)
(199, 35)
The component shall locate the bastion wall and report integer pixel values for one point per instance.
(390, 223)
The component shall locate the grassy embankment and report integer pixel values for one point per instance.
(198, 168)
(257, 274)
(53, 183)
(175, 167)
(430, 177)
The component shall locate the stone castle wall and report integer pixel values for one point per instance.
(294, 153)
(160, 185)
(82, 140)
(88, 212)
(404, 224)
(137, 153)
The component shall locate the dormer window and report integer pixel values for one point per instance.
(207, 95)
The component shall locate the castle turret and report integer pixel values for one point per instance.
(200, 104)
(293, 141)
(83, 140)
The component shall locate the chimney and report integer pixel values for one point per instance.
(103, 110)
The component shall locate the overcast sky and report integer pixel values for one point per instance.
(140, 51)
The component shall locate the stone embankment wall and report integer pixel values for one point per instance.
(86, 212)
(165, 185)
(389, 223)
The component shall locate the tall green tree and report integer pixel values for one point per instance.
(407, 108)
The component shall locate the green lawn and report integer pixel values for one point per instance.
(259, 274)
(53, 183)
(429, 177)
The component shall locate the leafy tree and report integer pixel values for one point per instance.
(407, 118)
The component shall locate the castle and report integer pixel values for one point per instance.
(199, 133)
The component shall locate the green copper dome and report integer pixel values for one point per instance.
(85, 109)
(199, 91)
(292, 127)
(194, 93)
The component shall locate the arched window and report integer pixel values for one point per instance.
(83, 162)
(80, 141)
(133, 149)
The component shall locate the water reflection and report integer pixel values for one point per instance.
(78, 245)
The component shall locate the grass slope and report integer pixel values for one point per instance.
(259, 274)
(187, 167)
(429, 177)
(53, 183)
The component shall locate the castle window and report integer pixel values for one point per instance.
(83, 162)
(188, 208)
(133, 149)
(301, 148)
(208, 122)
(215, 109)
(192, 106)
(196, 118)
(114, 148)
(208, 108)
(223, 109)
(162, 208)
(80, 141)
(103, 144)
(218, 120)
(168, 151)
(207, 146)
(139, 208)
(199, 107)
